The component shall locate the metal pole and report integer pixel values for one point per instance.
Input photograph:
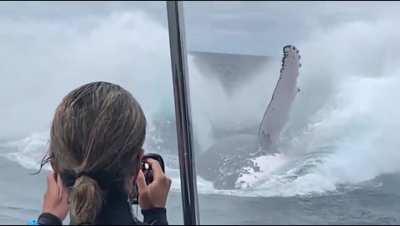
(182, 111)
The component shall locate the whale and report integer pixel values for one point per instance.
(231, 156)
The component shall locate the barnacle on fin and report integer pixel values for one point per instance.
(290, 50)
(286, 48)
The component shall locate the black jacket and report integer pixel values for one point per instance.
(117, 211)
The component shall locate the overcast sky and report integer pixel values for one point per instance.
(239, 27)
(251, 26)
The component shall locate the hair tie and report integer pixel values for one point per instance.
(105, 180)
(83, 174)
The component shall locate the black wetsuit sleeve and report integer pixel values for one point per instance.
(155, 216)
(48, 219)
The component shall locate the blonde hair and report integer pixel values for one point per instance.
(96, 138)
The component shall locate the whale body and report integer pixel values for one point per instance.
(232, 156)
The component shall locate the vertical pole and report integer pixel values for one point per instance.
(182, 112)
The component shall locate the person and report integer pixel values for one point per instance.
(95, 151)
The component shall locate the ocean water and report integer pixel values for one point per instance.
(374, 202)
(339, 152)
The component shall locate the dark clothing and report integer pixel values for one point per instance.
(48, 219)
(117, 211)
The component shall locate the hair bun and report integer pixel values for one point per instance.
(86, 200)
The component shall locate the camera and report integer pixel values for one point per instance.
(148, 173)
(146, 168)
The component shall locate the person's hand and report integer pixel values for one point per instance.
(153, 195)
(56, 197)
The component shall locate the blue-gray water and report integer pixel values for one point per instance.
(21, 197)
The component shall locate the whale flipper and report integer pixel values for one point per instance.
(277, 113)
(232, 156)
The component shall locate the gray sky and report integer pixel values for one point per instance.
(239, 27)
(245, 26)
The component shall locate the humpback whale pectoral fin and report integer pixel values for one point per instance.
(265, 140)
(291, 57)
(277, 113)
